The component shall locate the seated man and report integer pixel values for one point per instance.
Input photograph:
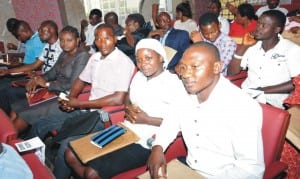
(111, 18)
(109, 71)
(48, 33)
(33, 43)
(144, 113)
(210, 32)
(271, 5)
(168, 36)
(220, 125)
(88, 29)
(272, 62)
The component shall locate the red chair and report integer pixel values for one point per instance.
(238, 79)
(7, 131)
(274, 128)
(275, 125)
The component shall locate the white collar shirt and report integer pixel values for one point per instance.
(90, 34)
(50, 55)
(222, 135)
(278, 65)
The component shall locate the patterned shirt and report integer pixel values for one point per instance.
(226, 47)
(50, 55)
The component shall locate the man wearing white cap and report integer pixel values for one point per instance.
(151, 93)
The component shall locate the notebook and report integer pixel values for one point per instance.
(41, 95)
(86, 151)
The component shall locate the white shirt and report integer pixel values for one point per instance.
(224, 25)
(108, 75)
(266, 8)
(50, 55)
(154, 97)
(222, 135)
(190, 25)
(90, 34)
(278, 65)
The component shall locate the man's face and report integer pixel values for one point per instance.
(163, 21)
(46, 32)
(94, 20)
(105, 41)
(198, 69)
(23, 34)
(149, 62)
(210, 32)
(272, 3)
(212, 7)
(265, 28)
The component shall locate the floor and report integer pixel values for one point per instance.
(292, 157)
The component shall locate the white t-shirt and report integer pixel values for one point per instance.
(108, 75)
(266, 8)
(224, 25)
(90, 34)
(278, 65)
(190, 25)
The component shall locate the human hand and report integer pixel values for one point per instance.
(231, 8)
(196, 36)
(295, 30)
(131, 112)
(294, 18)
(157, 165)
(31, 86)
(67, 105)
(11, 46)
(248, 39)
(3, 72)
(84, 23)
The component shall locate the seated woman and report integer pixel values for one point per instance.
(144, 113)
(244, 23)
(184, 19)
(59, 79)
(135, 30)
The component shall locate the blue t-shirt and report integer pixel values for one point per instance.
(33, 48)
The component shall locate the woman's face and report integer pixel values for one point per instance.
(68, 42)
(178, 15)
(239, 19)
(149, 62)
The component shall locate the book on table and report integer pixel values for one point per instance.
(39, 96)
(100, 143)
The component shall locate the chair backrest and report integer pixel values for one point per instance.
(238, 79)
(7, 131)
(274, 128)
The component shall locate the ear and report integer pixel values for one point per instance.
(278, 29)
(218, 67)
(161, 59)
(115, 39)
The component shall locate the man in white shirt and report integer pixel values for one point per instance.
(271, 5)
(88, 29)
(272, 62)
(220, 124)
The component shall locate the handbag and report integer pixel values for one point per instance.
(78, 125)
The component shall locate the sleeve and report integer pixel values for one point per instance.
(85, 75)
(125, 75)
(77, 67)
(51, 74)
(244, 61)
(168, 129)
(247, 145)
(227, 53)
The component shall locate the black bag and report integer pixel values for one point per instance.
(78, 125)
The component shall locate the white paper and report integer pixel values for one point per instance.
(33, 144)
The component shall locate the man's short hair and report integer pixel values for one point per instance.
(96, 12)
(216, 2)
(208, 18)
(50, 23)
(210, 47)
(278, 16)
(104, 26)
(112, 17)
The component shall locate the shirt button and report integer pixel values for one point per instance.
(260, 68)
(195, 161)
(197, 135)
(195, 121)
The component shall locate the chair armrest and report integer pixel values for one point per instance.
(7, 131)
(238, 79)
(39, 170)
(116, 113)
(275, 169)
